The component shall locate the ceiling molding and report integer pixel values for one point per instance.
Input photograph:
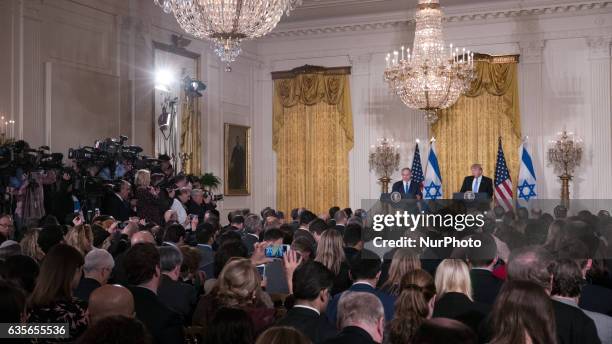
(398, 20)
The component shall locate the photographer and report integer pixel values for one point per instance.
(200, 202)
(148, 204)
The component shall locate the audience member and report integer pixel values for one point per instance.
(361, 319)
(403, 262)
(482, 260)
(330, 253)
(176, 295)
(282, 335)
(230, 325)
(312, 283)
(12, 303)
(52, 300)
(97, 270)
(21, 270)
(353, 240)
(29, 244)
(414, 305)
(110, 300)
(443, 331)
(142, 267)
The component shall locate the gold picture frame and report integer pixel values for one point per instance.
(237, 160)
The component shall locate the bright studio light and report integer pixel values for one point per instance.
(163, 79)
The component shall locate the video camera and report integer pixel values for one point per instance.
(19, 155)
(214, 197)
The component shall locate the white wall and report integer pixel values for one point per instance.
(564, 76)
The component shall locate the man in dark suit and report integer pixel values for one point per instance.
(364, 270)
(117, 204)
(477, 182)
(96, 270)
(406, 187)
(142, 268)
(361, 318)
(312, 282)
(252, 229)
(485, 285)
(205, 238)
(178, 296)
(340, 220)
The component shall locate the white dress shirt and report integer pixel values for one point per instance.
(180, 212)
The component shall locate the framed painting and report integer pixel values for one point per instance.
(237, 166)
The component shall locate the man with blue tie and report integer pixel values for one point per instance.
(406, 187)
(477, 182)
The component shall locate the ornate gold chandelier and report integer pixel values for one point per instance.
(227, 22)
(431, 76)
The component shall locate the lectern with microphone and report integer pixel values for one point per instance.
(474, 200)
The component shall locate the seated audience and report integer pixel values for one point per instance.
(116, 329)
(174, 235)
(252, 229)
(50, 236)
(365, 272)
(443, 331)
(353, 240)
(96, 270)
(29, 245)
(566, 288)
(311, 283)
(142, 268)
(330, 253)
(176, 295)
(109, 300)
(52, 300)
(533, 263)
(205, 236)
(21, 270)
(282, 335)
(230, 325)
(414, 305)
(361, 319)
(454, 294)
(238, 285)
(340, 220)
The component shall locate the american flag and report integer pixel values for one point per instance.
(503, 183)
(417, 169)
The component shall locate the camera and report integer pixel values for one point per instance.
(212, 196)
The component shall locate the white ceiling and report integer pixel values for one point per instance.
(325, 9)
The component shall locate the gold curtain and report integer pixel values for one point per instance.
(468, 132)
(312, 136)
(190, 135)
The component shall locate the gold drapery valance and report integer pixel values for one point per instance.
(467, 132)
(312, 136)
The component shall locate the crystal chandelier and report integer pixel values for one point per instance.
(384, 159)
(432, 76)
(227, 22)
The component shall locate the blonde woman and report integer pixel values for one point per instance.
(454, 294)
(29, 245)
(403, 262)
(148, 204)
(81, 238)
(330, 252)
(238, 286)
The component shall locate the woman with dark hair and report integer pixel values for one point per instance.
(12, 303)
(413, 306)
(52, 300)
(522, 313)
(230, 325)
(116, 329)
(443, 331)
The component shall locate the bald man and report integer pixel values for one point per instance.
(142, 237)
(110, 300)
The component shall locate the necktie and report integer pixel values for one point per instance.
(405, 188)
(475, 186)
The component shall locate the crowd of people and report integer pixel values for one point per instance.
(159, 265)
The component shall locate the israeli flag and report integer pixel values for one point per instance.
(432, 186)
(526, 186)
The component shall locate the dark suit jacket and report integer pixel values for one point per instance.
(117, 208)
(596, 298)
(388, 301)
(351, 335)
(485, 286)
(573, 326)
(178, 296)
(314, 326)
(413, 190)
(486, 185)
(340, 228)
(207, 260)
(459, 307)
(164, 325)
(249, 241)
(198, 209)
(85, 288)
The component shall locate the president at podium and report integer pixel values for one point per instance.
(407, 187)
(477, 183)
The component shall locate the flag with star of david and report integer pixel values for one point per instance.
(433, 178)
(417, 169)
(526, 189)
(503, 182)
